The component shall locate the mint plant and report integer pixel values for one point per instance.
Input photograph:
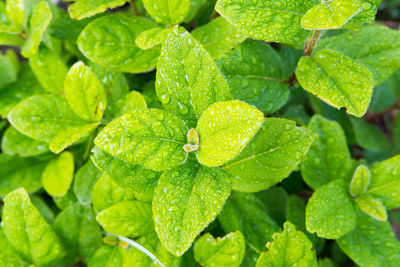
(199, 133)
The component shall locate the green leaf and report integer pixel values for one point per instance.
(43, 208)
(169, 12)
(58, 175)
(330, 15)
(150, 38)
(149, 137)
(49, 118)
(225, 128)
(81, 9)
(226, 251)
(218, 37)
(38, 22)
(372, 206)
(11, 39)
(360, 181)
(84, 181)
(28, 232)
(8, 256)
(110, 42)
(106, 193)
(246, 213)
(271, 21)
(127, 218)
(18, 172)
(385, 182)
(371, 243)
(49, 69)
(368, 135)
(84, 92)
(253, 81)
(188, 80)
(289, 248)
(133, 100)
(329, 157)
(15, 92)
(15, 143)
(376, 47)
(135, 178)
(275, 151)
(330, 212)
(185, 201)
(337, 80)
(66, 200)
(275, 200)
(78, 230)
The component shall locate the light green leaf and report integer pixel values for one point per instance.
(84, 93)
(115, 85)
(11, 39)
(377, 47)
(109, 256)
(330, 212)
(185, 201)
(133, 100)
(8, 73)
(81, 9)
(15, 143)
(28, 232)
(38, 22)
(253, 81)
(43, 208)
(66, 200)
(13, 93)
(226, 251)
(330, 14)
(16, 172)
(225, 128)
(84, 181)
(8, 256)
(49, 118)
(218, 37)
(16, 13)
(169, 12)
(135, 178)
(127, 218)
(360, 181)
(367, 14)
(149, 137)
(371, 243)
(49, 69)
(110, 42)
(329, 157)
(150, 38)
(246, 213)
(372, 206)
(188, 80)
(271, 156)
(369, 136)
(58, 175)
(271, 21)
(385, 182)
(106, 193)
(337, 80)
(289, 248)
(80, 233)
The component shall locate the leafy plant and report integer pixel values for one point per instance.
(197, 133)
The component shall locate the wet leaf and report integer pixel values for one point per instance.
(81, 9)
(15, 143)
(372, 206)
(58, 175)
(169, 12)
(360, 181)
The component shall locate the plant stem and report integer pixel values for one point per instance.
(89, 145)
(139, 247)
(312, 42)
(371, 117)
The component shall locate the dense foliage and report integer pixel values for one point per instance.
(199, 133)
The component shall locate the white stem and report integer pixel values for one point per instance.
(139, 247)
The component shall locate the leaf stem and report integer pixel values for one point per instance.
(138, 246)
(371, 117)
(89, 145)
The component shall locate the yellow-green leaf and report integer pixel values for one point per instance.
(360, 181)
(58, 175)
(169, 12)
(372, 206)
